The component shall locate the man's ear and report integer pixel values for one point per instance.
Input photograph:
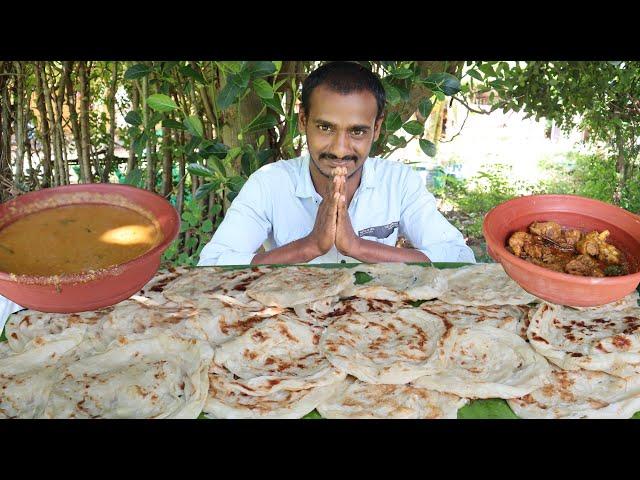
(302, 121)
(376, 127)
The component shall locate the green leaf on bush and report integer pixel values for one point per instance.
(171, 123)
(263, 122)
(200, 170)
(393, 122)
(161, 103)
(207, 226)
(261, 69)
(444, 82)
(194, 126)
(235, 183)
(228, 95)
(413, 127)
(428, 147)
(393, 94)
(133, 118)
(262, 88)
(274, 103)
(137, 71)
(424, 107)
(188, 71)
(475, 74)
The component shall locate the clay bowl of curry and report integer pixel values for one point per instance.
(566, 249)
(82, 247)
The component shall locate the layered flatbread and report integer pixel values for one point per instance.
(393, 348)
(580, 394)
(599, 340)
(483, 284)
(290, 286)
(279, 353)
(160, 377)
(485, 362)
(361, 400)
(399, 282)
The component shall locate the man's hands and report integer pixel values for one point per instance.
(333, 226)
(347, 242)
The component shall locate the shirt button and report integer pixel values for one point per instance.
(343, 261)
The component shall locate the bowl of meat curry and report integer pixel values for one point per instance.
(566, 249)
(82, 247)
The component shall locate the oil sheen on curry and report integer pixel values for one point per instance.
(75, 239)
(571, 251)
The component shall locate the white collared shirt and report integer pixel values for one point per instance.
(278, 204)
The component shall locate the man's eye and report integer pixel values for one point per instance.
(324, 128)
(357, 132)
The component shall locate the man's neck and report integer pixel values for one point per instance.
(321, 183)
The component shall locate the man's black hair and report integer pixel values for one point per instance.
(344, 78)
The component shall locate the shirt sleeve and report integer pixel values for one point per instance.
(244, 228)
(7, 307)
(426, 228)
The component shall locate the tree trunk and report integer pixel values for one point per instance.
(111, 103)
(151, 134)
(181, 172)
(45, 132)
(620, 166)
(73, 117)
(167, 163)
(59, 99)
(85, 136)
(19, 124)
(135, 105)
(58, 174)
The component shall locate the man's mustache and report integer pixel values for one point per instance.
(331, 156)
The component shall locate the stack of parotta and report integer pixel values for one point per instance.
(263, 342)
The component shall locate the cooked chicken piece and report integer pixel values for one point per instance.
(547, 229)
(590, 244)
(571, 237)
(610, 254)
(517, 241)
(584, 265)
(534, 248)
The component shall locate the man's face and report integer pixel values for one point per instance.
(340, 129)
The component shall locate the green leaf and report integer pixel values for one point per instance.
(402, 73)
(444, 82)
(235, 183)
(216, 148)
(395, 141)
(263, 122)
(362, 277)
(194, 126)
(228, 95)
(314, 415)
(139, 144)
(207, 226)
(487, 69)
(216, 209)
(492, 408)
(189, 71)
(393, 122)
(413, 127)
(171, 123)
(161, 103)
(133, 118)
(440, 96)
(428, 147)
(137, 71)
(274, 104)
(204, 190)
(261, 69)
(190, 218)
(218, 165)
(262, 88)
(240, 79)
(424, 107)
(134, 177)
(393, 94)
(200, 170)
(475, 74)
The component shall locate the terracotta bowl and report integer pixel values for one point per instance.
(573, 212)
(101, 288)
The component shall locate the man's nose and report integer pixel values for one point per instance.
(341, 146)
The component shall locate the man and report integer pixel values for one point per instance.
(336, 204)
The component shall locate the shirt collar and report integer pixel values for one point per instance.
(305, 188)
